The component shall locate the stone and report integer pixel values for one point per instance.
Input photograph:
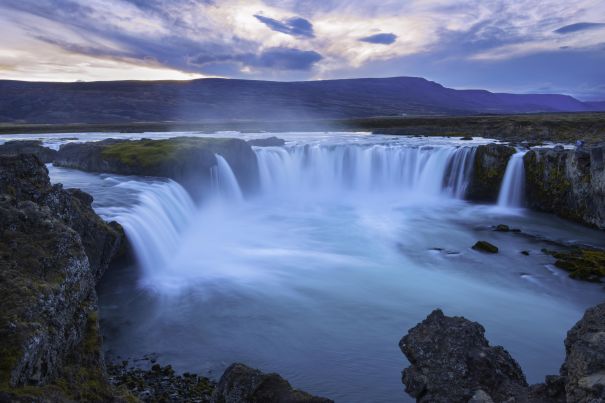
(584, 366)
(35, 147)
(484, 246)
(488, 171)
(450, 361)
(242, 384)
(502, 228)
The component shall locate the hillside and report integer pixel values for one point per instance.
(228, 99)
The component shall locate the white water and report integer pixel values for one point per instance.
(320, 274)
(512, 191)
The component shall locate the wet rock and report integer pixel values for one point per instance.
(502, 228)
(551, 391)
(187, 160)
(525, 252)
(241, 384)
(488, 171)
(466, 138)
(568, 183)
(584, 367)
(451, 361)
(267, 142)
(34, 147)
(484, 246)
(581, 263)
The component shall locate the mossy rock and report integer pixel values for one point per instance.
(484, 246)
(581, 263)
(488, 171)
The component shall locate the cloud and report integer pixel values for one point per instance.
(295, 26)
(579, 26)
(278, 58)
(382, 39)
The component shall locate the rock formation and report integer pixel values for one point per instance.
(568, 183)
(488, 171)
(53, 248)
(188, 160)
(242, 384)
(35, 147)
(451, 361)
(267, 142)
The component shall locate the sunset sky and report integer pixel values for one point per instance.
(516, 46)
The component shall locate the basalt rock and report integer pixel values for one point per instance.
(187, 160)
(451, 361)
(34, 147)
(568, 183)
(242, 384)
(488, 171)
(584, 367)
(52, 250)
(484, 246)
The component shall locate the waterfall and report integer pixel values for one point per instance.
(512, 191)
(224, 182)
(155, 224)
(316, 169)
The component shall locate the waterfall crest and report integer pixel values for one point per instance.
(512, 191)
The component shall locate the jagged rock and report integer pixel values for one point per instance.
(584, 367)
(242, 384)
(451, 361)
(48, 323)
(551, 391)
(267, 142)
(187, 160)
(569, 183)
(484, 246)
(488, 171)
(34, 147)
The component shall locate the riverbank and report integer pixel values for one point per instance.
(532, 128)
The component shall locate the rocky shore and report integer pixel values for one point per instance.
(451, 361)
(53, 250)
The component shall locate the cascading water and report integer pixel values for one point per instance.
(313, 170)
(224, 182)
(512, 191)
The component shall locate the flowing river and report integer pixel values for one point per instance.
(350, 240)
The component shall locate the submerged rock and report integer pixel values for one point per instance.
(581, 263)
(484, 246)
(568, 183)
(34, 147)
(488, 171)
(267, 142)
(187, 160)
(242, 384)
(584, 367)
(451, 361)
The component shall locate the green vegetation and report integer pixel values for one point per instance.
(581, 263)
(148, 153)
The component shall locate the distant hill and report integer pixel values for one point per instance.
(230, 99)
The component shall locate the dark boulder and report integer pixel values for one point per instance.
(267, 142)
(488, 171)
(187, 160)
(451, 361)
(568, 183)
(242, 384)
(34, 147)
(584, 367)
(484, 246)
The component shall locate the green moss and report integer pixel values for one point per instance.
(148, 153)
(581, 263)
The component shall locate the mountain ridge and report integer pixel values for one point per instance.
(235, 99)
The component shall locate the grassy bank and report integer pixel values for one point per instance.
(563, 127)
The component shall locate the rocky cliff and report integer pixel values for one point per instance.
(451, 361)
(568, 183)
(53, 248)
(188, 160)
(488, 172)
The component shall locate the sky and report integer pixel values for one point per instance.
(523, 46)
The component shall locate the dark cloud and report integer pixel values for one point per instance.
(278, 58)
(295, 26)
(382, 39)
(580, 26)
